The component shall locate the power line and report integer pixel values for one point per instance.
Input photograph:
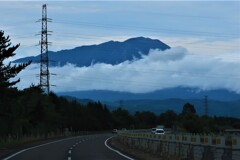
(89, 36)
(184, 32)
(190, 74)
(199, 17)
(190, 45)
(128, 82)
(118, 81)
(180, 73)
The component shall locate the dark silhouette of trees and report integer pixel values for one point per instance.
(168, 119)
(145, 119)
(8, 71)
(188, 109)
(122, 118)
(189, 119)
(8, 111)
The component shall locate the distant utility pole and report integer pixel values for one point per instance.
(206, 106)
(121, 103)
(44, 72)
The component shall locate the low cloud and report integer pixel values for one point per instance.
(158, 70)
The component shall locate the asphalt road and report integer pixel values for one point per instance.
(90, 147)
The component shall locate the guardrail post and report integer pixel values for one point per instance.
(236, 147)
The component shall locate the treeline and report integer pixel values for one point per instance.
(30, 112)
(186, 121)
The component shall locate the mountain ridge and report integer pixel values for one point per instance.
(177, 92)
(221, 102)
(215, 107)
(158, 106)
(111, 52)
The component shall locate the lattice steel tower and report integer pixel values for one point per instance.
(44, 71)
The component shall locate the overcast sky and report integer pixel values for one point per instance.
(205, 37)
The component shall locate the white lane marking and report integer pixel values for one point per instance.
(15, 154)
(70, 151)
(116, 150)
(69, 158)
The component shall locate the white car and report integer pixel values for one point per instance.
(153, 130)
(114, 131)
(159, 131)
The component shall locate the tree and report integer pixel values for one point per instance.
(168, 118)
(122, 118)
(8, 71)
(188, 109)
(190, 119)
(9, 94)
(145, 119)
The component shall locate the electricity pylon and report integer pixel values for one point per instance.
(44, 61)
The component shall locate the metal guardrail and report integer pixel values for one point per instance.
(220, 141)
(188, 146)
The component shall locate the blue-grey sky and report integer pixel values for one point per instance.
(79, 22)
(208, 30)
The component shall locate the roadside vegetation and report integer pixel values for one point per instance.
(29, 114)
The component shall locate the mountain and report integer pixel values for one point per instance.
(220, 102)
(111, 52)
(177, 92)
(215, 107)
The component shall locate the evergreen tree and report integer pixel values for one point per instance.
(122, 118)
(168, 119)
(8, 71)
(9, 121)
(188, 109)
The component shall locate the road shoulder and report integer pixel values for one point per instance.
(131, 152)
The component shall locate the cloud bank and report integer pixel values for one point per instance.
(158, 70)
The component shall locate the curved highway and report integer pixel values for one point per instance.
(90, 147)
